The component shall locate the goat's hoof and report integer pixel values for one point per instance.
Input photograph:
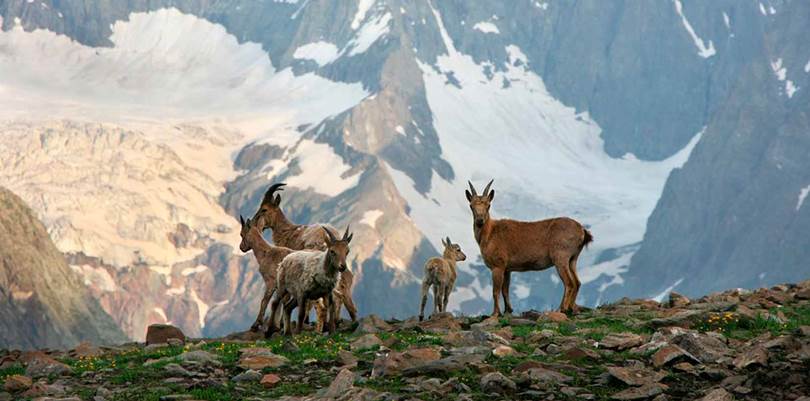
(256, 326)
(421, 318)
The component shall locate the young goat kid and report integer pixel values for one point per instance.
(310, 275)
(300, 237)
(440, 273)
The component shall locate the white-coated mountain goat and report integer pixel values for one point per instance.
(309, 275)
(440, 273)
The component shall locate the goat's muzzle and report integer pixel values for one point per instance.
(342, 267)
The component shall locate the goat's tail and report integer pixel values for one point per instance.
(588, 238)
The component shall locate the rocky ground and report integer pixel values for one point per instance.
(737, 344)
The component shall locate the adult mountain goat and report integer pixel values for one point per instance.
(299, 237)
(510, 245)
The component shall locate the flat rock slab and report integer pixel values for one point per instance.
(496, 382)
(444, 365)
(396, 362)
(640, 393)
(161, 333)
(635, 376)
(365, 342)
(718, 394)
(621, 341)
(16, 383)
(753, 356)
(670, 354)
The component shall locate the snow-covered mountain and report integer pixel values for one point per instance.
(139, 132)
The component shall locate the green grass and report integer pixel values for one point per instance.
(741, 327)
(213, 394)
(10, 371)
(410, 338)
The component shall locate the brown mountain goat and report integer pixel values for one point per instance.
(300, 237)
(269, 257)
(509, 245)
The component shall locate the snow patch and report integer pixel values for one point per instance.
(370, 217)
(321, 169)
(781, 74)
(161, 313)
(704, 50)
(369, 33)
(612, 269)
(802, 195)
(807, 66)
(726, 20)
(486, 27)
(320, 52)
(165, 271)
(399, 130)
(362, 9)
(193, 270)
(159, 67)
(202, 307)
(96, 277)
(522, 291)
(176, 291)
(762, 9)
(660, 297)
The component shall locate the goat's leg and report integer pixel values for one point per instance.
(288, 306)
(320, 314)
(507, 305)
(447, 292)
(562, 270)
(425, 289)
(572, 271)
(268, 293)
(331, 313)
(271, 324)
(436, 298)
(345, 286)
(302, 312)
(497, 287)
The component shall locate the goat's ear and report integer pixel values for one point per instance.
(349, 238)
(448, 241)
(491, 195)
(277, 200)
(444, 243)
(248, 222)
(469, 195)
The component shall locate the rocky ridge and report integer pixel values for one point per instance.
(738, 344)
(43, 303)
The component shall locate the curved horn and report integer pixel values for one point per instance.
(268, 196)
(241, 220)
(329, 233)
(448, 241)
(346, 233)
(472, 189)
(486, 189)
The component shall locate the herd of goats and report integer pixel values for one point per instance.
(305, 267)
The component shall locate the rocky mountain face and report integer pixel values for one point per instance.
(139, 131)
(735, 215)
(43, 303)
(731, 345)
